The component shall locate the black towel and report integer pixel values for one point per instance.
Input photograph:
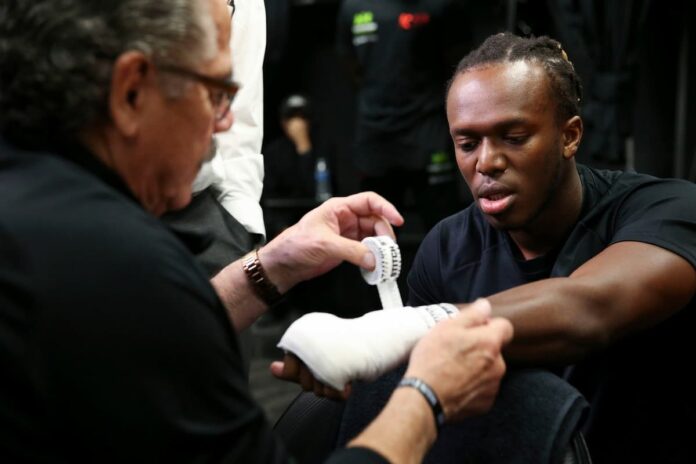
(533, 420)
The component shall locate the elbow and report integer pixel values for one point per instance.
(589, 337)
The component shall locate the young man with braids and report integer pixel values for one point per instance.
(595, 269)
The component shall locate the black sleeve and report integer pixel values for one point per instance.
(138, 359)
(662, 213)
(424, 278)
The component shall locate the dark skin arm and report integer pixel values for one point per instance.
(628, 287)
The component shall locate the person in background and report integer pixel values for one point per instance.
(400, 54)
(291, 158)
(114, 344)
(292, 186)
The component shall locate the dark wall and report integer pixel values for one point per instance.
(301, 58)
(309, 65)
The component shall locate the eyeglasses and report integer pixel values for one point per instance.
(230, 3)
(220, 91)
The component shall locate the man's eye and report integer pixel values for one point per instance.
(515, 139)
(216, 96)
(468, 146)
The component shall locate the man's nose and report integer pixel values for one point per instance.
(491, 158)
(221, 125)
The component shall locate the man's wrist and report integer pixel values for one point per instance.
(403, 431)
(262, 285)
(429, 395)
(273, 256)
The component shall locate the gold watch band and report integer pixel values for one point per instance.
(258, 279)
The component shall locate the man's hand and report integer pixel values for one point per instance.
(326, 236)
(294, 370)
(460, 359)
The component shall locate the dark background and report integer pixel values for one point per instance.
(300, 57)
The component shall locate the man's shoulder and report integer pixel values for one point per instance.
(628, 206)
(610, 185)
(57, 212)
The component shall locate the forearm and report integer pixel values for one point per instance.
(242, 304)
(404, 430)
(239, 297)
(628, 287)
(556, 320)
(324, 237)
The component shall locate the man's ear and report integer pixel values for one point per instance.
(127, 92)
(572, 135)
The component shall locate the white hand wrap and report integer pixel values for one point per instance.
(337, 350)
(387, 269)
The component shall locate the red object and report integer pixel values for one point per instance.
(410, 20)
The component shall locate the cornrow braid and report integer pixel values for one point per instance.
(506, 48)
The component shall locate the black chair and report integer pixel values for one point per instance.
(311, 428)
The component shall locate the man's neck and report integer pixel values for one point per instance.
(552, 226)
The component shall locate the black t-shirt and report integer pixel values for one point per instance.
(114, 347)
(639, 388)
(399, 50)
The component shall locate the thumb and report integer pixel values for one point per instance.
(502, 330)
(476, 313)
(287, 369)
(277, 369)
(353, 251)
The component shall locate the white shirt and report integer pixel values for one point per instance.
(237, 167)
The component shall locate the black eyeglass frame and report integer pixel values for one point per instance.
(228, 87)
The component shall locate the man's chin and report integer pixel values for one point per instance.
(179, 202)
(499, 221)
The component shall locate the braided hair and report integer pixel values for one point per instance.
(548, 53)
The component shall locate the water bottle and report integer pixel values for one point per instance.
(322, 180)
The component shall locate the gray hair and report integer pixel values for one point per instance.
(56, 56)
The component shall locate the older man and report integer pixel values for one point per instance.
(114, 346)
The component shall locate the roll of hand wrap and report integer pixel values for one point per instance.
(386, 271)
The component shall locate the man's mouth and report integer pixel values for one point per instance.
(494, 199)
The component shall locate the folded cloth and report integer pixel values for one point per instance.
(533, 420)
(338, 350)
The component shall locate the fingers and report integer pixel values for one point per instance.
(477, 313)
(495, 334)
(382, 227)
(369, 203)
(292, 369)
(374, 225)
(287, 369)
(501, 330)
(352, 251)
(277, 368)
